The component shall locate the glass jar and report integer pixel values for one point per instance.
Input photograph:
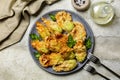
(102, 13)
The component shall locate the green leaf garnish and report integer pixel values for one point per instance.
(88, 43)
(34, 36)
(71, 42)
(37, 55)
(52, 16)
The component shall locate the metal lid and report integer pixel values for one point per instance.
(81, 4)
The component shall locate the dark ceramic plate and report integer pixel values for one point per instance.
(75, 17)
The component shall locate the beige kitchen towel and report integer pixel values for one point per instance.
(15, 17)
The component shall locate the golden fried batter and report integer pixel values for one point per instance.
(55, 58)
(53, 44)
(40, 46)
(52, 26)
(78, 31)
(57, 43)
(80, 56)
(44, 60)
(67, 65)
(80, 51)
(79, 47)
(42, 30)
(64, 20)
(63, 16)
(50, 60)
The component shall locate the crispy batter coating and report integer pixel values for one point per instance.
(62, 17)
(57, 43)
(53, 44)
(40, 46)
(42, 30)
(79, 47)
(80, 56)
(50, 60)
(80, 51)
(78, 31)
(64, 51)
(67, 65)
(55, 58)
(52, 26)
(44, 60)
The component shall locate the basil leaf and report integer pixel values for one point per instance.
(88, 43)
(37, 55)
(71, 42)
(52, 16)
(34, 36)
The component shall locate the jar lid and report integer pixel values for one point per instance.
(81, 4)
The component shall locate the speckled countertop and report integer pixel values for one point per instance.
(16, 62)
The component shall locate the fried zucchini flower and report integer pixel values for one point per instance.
(67, 65)
(64, 20)
(40, 46)
(78, 32)
(52, 26)
(50, 60)
(80, 51)
(42, 30)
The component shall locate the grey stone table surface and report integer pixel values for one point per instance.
(16, 62)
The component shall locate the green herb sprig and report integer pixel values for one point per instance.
(88, 43)
(52, 16)
(71, 42)
(34, 36)
(37, 55)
